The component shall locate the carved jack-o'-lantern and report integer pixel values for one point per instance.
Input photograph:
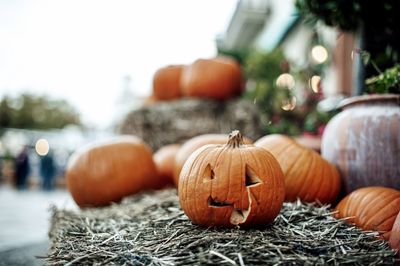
(231, 184)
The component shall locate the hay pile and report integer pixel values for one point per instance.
(152, 229)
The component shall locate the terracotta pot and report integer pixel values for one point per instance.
(364, 141)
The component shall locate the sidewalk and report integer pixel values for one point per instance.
(25, 216)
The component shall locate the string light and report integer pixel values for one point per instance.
(42, 147)
(319, 54)
(314, 83)
(285, 81)
(289, 104)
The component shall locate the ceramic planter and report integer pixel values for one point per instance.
(363, 141)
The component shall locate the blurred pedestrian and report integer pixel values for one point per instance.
(47, 171)
(22, 168)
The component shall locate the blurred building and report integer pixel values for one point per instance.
(268, 24)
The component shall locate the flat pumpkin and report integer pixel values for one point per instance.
(217, 78)
(193, 144)
(371, 208)
(307, 175)
(107, 171)
(166, 82)
(164, 158)
(231, 185)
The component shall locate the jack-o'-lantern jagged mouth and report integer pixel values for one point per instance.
(238, 216)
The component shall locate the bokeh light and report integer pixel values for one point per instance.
(42, 147)
(319, 54)
(289, 104)
(285, 81)
(314, 83)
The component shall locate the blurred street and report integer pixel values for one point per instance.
(25, 220)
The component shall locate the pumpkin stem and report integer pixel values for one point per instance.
(235, 139)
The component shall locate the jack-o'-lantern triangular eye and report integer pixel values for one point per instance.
(252, 179)
(208, 174)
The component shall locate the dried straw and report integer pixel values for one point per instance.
(151, 229)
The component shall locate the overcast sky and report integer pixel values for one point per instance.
(81, 50)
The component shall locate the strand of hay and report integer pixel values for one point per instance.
(151, 229)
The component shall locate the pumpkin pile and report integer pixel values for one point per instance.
(227, 181)
(218, 78)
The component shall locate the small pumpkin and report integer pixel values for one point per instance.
(166, 82)
(164, 158)
(218, 78)
(394, 239)
(193, 144)
(231, 185)
(307, 175)
(371, 208)
(107, 171)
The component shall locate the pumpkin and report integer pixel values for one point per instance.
(107, 171)
(164, 158)
(217, 78)
(394, 239)
(166, 82)
(371, 208)
(307, 175)
(231, 185)
(193, 144)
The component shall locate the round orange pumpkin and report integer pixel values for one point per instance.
(371, 208)
(193, 144)
(231, 185)
(166, 82)
(394, 239)
(307, 175)
(217, 78)
(105, 172)
(164, 158)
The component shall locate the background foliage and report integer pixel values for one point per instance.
(36, 112)
(378, 22)
(261, 70)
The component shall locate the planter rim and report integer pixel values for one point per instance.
(394, 98)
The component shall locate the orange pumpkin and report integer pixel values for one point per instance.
(105, 172)
(218, 78)
(166, 82)
(371, 208)
(193, 144)
(164, 158)
(307, 175)
(394, 239)
(231, 184)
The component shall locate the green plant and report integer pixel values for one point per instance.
(36, 112)
(262, 70)
(386, 82)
